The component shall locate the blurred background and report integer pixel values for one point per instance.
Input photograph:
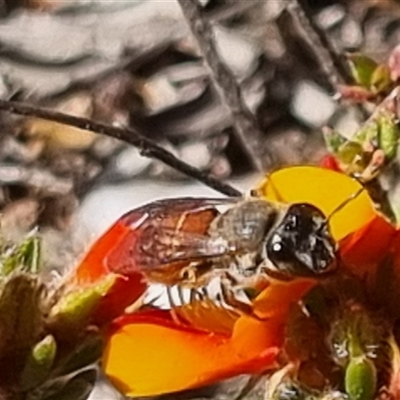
(135, 63)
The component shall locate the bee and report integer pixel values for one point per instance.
(188, 241)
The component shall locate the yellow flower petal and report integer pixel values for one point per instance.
(325, 189)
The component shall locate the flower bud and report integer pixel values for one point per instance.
(39, 363)
(361, 379)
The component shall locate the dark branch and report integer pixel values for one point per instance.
(147, 147)
(244, 123)
(332, 63)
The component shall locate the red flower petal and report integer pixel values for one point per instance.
(96, 263)
(330, 162)
(95, 267)
(363, 250)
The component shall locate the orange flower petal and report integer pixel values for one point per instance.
(277, 298)
(325, 189)
(173, 357)
(271, 306)
(144, 358)
(253, 337)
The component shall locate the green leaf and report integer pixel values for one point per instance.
(20, 313)
(389, 134)
(39, 363)
(350, 152)
(380, 79)
(333, 140)
(23, 257)
(367, 133)
(362, 68)
(74, 309)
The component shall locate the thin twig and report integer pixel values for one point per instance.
(331, 62)
(147, 147)
(244, 124)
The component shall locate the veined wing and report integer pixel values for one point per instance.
(160, 246)
(165, 232)
(166, 208)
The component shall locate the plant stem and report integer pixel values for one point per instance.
(147, 147)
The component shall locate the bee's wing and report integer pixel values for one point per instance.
(161, 246)
(166, 232)
(165, 208)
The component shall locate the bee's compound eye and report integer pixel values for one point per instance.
(301, 245)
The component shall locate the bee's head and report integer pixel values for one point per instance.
(301, 244)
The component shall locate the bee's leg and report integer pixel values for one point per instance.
(219, 301)
(267, 269)
(193, 295)
(181, 296)
(228, 296)
(189, 275)
(204, 293)
(173, 306)
(141, 303)
(171, 301)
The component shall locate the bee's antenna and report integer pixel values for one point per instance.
(341, 206)
(268, 181)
